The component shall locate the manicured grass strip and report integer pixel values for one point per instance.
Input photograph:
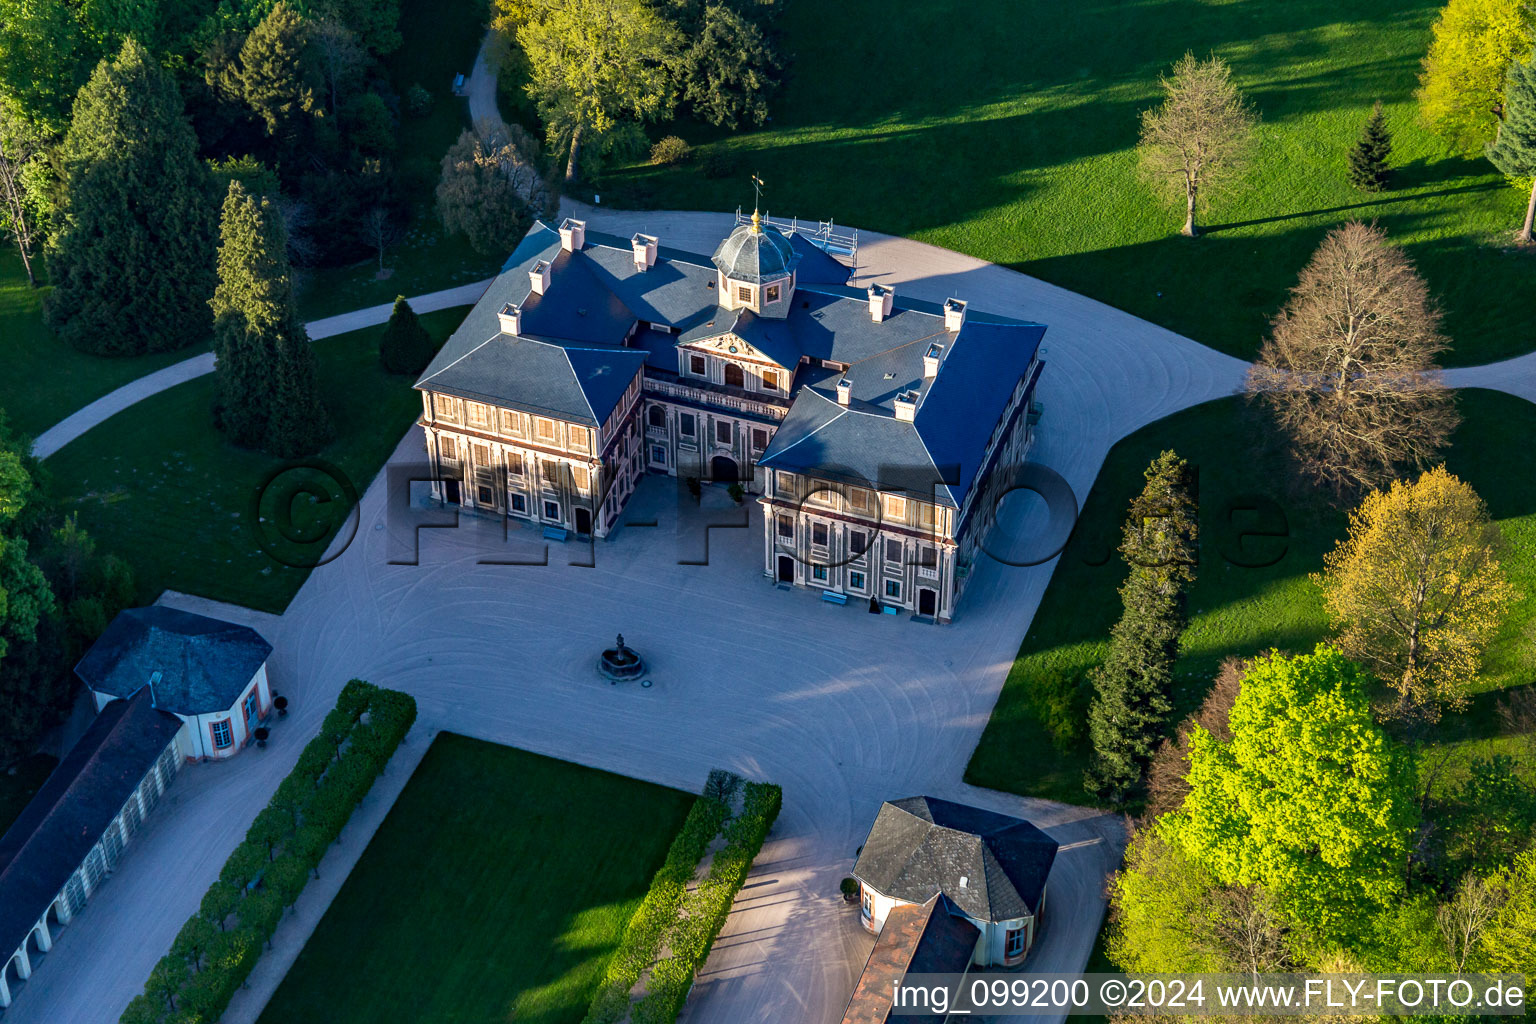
(496, 890)
(159, 486)
(266, 873)
(1016, 144)
(1252, 592)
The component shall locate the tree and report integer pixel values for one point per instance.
(1349, 370)
(1133, 688)
(278, 75)
(20, 144)
(730, 71)
(405, 346)
(194, 940)
(24, 594)
(267, 394)
(166, 979)
(1368, 157)
(1465, 916)
(1513, 151)
(341, 58)
(1309, 800)
(219, 902)
(1461, 88)
(593, 62)
(1417, 591)
(1201, 137)
(41, 54)
(478, 199)
(132, 255)
(376, 22)
(1509, 941)
(1166, 785)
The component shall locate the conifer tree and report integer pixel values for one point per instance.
(1514, 150)
(279, 79)
(267, 395)
(132, 258)
(405, 346)
(1133, 699)
(1368, 157)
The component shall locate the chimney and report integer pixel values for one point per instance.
(511, 317)
(844, 391)
(931, 360)
(539, 275)
(573, 234)
(954, 314)
(645, 251)
(906, 406)
(880, 300)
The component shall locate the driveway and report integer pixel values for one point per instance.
(843, 708)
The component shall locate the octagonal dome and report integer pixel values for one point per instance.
(755, 253)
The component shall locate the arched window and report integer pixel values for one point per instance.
(734, 377)
(657, 416)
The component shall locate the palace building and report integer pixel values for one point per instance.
(878, 432)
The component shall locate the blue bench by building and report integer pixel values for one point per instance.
(834, 597)
(559, 533)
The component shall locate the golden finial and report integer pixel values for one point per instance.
(757, 223)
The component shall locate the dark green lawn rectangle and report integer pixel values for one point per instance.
(496, 890)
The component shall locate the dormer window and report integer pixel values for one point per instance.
(743, 293)
(771, 293)
(696, 365)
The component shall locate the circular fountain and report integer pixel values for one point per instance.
(620, 664)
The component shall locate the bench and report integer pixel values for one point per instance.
(890, 609)
(833, 597)
(559, 533)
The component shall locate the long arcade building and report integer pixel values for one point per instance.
(879, 432)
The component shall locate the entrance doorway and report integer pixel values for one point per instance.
(722, 470)
(786, 569)
(583, 522)
(927, 602)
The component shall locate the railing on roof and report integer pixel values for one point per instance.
(704, 396)
(841, 244)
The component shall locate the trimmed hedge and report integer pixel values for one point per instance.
(212, 957)
(686, 923)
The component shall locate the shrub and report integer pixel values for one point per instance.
(286, 842)
(1060, 701)
(671, 150)
(418, 101)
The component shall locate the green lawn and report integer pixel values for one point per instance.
(158, 485)
(15, 790)
(1235, 609)
(42, 380)
(496, 890)
(1013, 142)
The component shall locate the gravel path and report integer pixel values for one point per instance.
(109, 405)
(843, 708)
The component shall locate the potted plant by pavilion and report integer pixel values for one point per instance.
(736, 493)
(850, 888)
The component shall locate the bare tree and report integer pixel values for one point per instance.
(1166, 784)
(1466, 914)
(1350, 370)
(18, 144)
(341, 56)
(1201, 137)
(381, 231)
(1250, 931)
(1517, 714)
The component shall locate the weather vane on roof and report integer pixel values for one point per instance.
(757, 192)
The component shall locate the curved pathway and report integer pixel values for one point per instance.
(112, 403)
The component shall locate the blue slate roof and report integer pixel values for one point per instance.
(203, 664)
(596, 325)
(55, 831)
(756, 253)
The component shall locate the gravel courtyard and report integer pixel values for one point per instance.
(843, 708)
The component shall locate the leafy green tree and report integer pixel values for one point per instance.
(592, 63)
(1509, 941)
(219, 902)
(1513, 151)
(166, 979)
(42, 60)
(20, 146)
(267, 393)
(142, 1009)
(1133, 688)
(1461, 89)
(24, 594)
(132, 259)
(195, 940)
(279, 78)
(375, 22)
(1368, 169)
(1310, 799)
(730, 72)
(405, 346)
